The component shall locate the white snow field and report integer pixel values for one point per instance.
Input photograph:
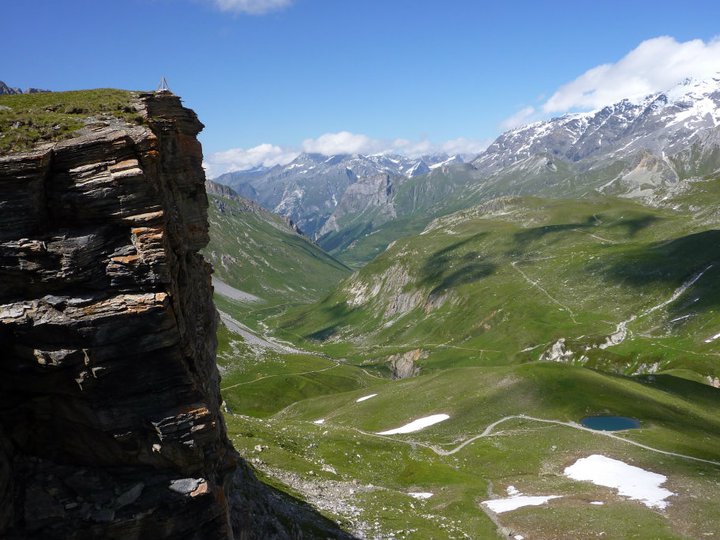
(420, 494)
(358, 400)
(417, 425)
(630, 481)
(517, 500)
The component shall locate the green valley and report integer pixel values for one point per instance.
(515, 318)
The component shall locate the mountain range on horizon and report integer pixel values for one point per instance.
(9, 90)
(641, 149)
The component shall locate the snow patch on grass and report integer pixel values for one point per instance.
(420, 494)
(417, 425)
(365, 398)
(517, 500)
(630, 481)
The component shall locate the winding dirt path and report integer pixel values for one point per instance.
(488, 432)
(280, 375)
(621, 330)
(537, 285)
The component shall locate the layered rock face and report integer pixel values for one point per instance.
(110, 423)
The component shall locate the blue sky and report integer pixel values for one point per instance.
(273, 77)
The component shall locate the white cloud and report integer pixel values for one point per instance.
(240, 159)
(655, 65)
(521, 117)
(342, 142)
(251, 7)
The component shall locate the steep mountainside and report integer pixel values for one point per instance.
(100, 234)
(261, 253)
(110, 421)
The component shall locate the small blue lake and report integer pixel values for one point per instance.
(610, 423)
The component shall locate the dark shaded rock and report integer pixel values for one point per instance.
(110, 422)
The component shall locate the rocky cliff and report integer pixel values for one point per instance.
(110, 423)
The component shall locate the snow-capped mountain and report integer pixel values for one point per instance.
(310, 188)
(650, 135)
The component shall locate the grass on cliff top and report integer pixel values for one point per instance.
(29, 119)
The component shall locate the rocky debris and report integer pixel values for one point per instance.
(404, 365)
(284, 516)
(337, 497)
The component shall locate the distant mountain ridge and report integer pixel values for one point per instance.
(308, 189)
(5, 89)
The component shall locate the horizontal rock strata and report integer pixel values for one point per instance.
(109, 403)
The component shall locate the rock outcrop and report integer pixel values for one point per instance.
(110, 423)
(109, 397)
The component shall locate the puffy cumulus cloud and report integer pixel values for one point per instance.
(240, 159)
(346, 142)
(342, 142)
(251, 7)
(653, 66)
(523, 116)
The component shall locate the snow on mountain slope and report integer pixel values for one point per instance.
(666, 121)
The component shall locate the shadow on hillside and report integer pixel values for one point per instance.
(445, 269)
(338, 313)
(525, 237)
(673, 263)
(337, 240)
(632, 227)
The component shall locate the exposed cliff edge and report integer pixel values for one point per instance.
(110, 423)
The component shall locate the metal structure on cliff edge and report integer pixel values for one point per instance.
(163, 87)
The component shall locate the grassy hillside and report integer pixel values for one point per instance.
(29, 119)
(505, 282)
(259, 253)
